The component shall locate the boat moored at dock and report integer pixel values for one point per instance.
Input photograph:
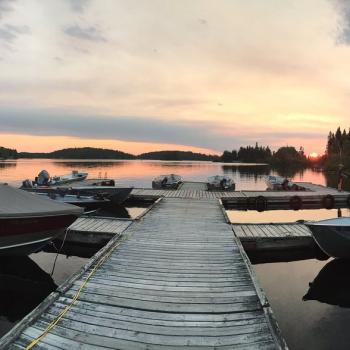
(221, 183)
(279, 183)
(332, 236)
(170, 181)
(28, 222)
(44, 179)
(87, 202)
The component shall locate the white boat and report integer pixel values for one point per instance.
(74, 176)
(167, 181)
(44, 179)
(221, 183)
(332, 236)
(280, 183)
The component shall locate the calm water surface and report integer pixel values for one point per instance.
(320, 321)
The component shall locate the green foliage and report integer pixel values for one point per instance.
(249, 154)
(81, 153)
(100, 153)
(338, 149)
(177, 155)
(289, 155)
(8, 153)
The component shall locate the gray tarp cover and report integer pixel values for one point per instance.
(19, 203)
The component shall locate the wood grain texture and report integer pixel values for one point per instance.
(177, 281)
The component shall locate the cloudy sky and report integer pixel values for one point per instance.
(140, 75)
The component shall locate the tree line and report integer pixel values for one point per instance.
(337, 149)
(260, 154)
(6, 153)
(249, 154)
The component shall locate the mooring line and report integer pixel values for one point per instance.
(76, 296)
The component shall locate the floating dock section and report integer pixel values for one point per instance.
(176, 279)
(314, 197)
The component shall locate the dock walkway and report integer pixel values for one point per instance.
(313, 197)
(177, 279)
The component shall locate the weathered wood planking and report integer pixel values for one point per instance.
(95, 230)
(313, 198)
(195, 186)
(260, 237)
(178, 280)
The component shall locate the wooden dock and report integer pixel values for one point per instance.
(271, 237)
(95, 230)
(315, 196)
(177, 279)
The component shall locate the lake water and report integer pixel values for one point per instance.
(318, 323)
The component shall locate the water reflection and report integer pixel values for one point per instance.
(248, 172)
(88, 164)
(23, 286)
(290, 171)
(116, 211)
(332, 284)
(4, 165)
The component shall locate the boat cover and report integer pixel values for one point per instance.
(18, 203)
(342, 221)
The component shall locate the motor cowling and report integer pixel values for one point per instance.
(27, 184)
(43, 178)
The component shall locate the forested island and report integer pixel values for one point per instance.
(8, 153)
(102, 153)
(249, 154)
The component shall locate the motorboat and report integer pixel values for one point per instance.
(275, 183)
(116, 195)
(44, 179)
(332, 236)
(170, 181)
(221, 183)
(28, 222)
(74, 176)
(86, 202)
(280, 183)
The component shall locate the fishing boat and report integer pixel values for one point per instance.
(28, 222)
(86, 202)
(280, 183)
(74, 176)
(44, 179)
(170, 181)
(114, 194)
(221, 183)
(332, 236)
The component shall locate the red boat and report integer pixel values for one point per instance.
(28, 222)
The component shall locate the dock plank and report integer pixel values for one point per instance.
(176, 280)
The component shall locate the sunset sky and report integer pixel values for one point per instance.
(141, 75)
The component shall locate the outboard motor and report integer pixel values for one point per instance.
(43, 178)
(223, 184)
(27, 184)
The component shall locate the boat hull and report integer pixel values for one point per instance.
(117, 195)
(333, 240)
(64, 181)
(22, 236)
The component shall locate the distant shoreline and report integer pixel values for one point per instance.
(137, 159)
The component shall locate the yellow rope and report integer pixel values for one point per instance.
(76, 296)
